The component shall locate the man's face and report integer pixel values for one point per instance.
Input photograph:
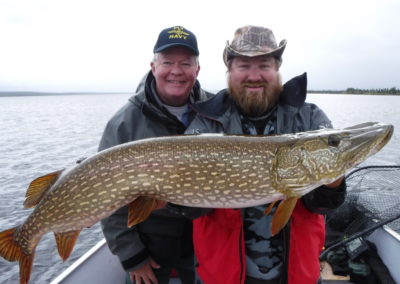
(254, 83)
(175, 70)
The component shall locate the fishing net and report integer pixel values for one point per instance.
(373, 195)
(373, 200)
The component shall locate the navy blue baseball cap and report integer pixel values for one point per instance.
(176, 36)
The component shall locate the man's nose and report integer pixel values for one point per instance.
(176, 69)
(254, 74)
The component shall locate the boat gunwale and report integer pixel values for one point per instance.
(78, 262)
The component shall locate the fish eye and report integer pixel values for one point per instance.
(333, 140)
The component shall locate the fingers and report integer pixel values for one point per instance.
(336, 183)
(152, 278)
(146, 279)
(145, 274)
(154, 264)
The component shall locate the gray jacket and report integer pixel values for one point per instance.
(221, 115)
(170, 234)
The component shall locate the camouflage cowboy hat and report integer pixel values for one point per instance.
(253, 41)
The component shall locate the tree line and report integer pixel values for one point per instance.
(356, 91)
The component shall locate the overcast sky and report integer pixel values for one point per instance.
(95, 45)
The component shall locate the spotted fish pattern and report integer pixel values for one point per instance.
(215, 171)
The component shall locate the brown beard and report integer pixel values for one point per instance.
(254, 103)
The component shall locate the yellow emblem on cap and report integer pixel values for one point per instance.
(178, 32)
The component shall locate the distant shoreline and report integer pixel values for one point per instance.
(30, 94)
(323, 92)
(354, 91)
(344, 93)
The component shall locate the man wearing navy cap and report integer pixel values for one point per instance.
(160, 107)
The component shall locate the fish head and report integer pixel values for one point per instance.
(321, 156)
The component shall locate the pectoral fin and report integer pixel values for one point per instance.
(269, 208)
(282, 214)
(66, 242)
(140, 209)
(38, 188)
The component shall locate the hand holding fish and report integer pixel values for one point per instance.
(145, 273)
(336, 183)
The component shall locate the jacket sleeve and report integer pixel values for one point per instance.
(318, 118)
(122, 241)
(109, 137)
(114, 132)
(323, 199)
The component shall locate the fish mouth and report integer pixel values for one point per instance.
(365, 140)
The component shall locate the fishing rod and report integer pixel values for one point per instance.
(357, 235)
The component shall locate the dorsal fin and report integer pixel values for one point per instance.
(66, 242)
(140, 209)
(38, 187)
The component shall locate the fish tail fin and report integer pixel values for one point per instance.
(282, 214)
(66, 242)
(140, 209)
(12, 251)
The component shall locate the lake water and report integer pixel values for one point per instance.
(41, 134)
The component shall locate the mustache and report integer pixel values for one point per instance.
(254, 84)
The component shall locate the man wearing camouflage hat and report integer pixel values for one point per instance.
(236, 246)
(160, 107)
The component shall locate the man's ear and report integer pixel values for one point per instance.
(152, 66)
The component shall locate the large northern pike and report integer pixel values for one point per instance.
(216, 171)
